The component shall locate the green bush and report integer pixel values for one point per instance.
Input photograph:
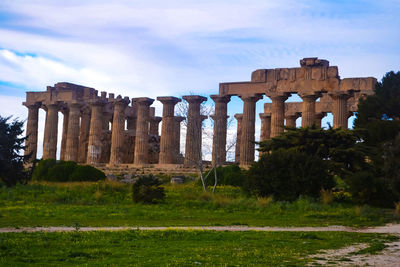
(65, 171)
(368, 187)
(87, 173)
(61, 171)
(42, 169)
(288, 174)
(147, 189)
(227, 175)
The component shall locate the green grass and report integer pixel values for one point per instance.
(110, 204)
(173, 248)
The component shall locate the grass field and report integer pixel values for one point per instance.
(160, 248)
(110, 204)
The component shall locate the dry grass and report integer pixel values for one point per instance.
(264, 201)
(326, 196)
(397, 209)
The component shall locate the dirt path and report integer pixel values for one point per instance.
(389, 229)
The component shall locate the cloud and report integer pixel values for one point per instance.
(152, 48)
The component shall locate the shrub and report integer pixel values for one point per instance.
(287, 174)
(86, 173)
(61, 171)
(228, 175)
(42, 169)
(326, 196)
(368, 187)
(147, 189)
(65, 171)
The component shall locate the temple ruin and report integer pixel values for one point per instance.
(118, 130)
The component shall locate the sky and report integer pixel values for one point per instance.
(156, 48)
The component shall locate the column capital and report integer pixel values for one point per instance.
(341, 94)
(168, 100)
(216, 117)
(255, 97)
(179, 118)
(143, 101)
(264, 115)
(97, 102)
(120, 101)
(220, 98)
(312, 96)
(33, 105)
(279, 97)
(320, 115)
(293, 115)
(156, 119)
(194, 98)
(238, 116)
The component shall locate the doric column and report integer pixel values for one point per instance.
(193, 132)
(84, 135)
(51, 127)
(318, 118)
(142, 131)
(71, 150)
(277, 114)
(291, 120)
(32, 130)
(132, 118)
(154, 123)
(220, 128)
(118, 130)
(239, 118)
(168, 131)
(248, 129)
(177, 139)
(340, 111)
(95, 133)
(308, 109)
(265, 126)
(65, 113)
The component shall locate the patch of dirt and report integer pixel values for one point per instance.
(389, 256)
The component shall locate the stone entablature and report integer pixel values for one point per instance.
(118, 130)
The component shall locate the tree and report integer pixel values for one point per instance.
(11, 162)
(340, 148)
(378, 121)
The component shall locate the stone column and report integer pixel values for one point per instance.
(277, 114)
(71, 151)
(169, 129)
(239, 118)
(318, 118)
(65, 113)
(193, 153)
(84, 135)
(177, 139)
(142, 131)
(340, 111)
(248, 128)
(95, 132)
(51, 132)
(32, 131)
(265, 126)
(154, 123)
(291, 120)
(308, 109)
(132, 118)
(118, 131)
(220, 128)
